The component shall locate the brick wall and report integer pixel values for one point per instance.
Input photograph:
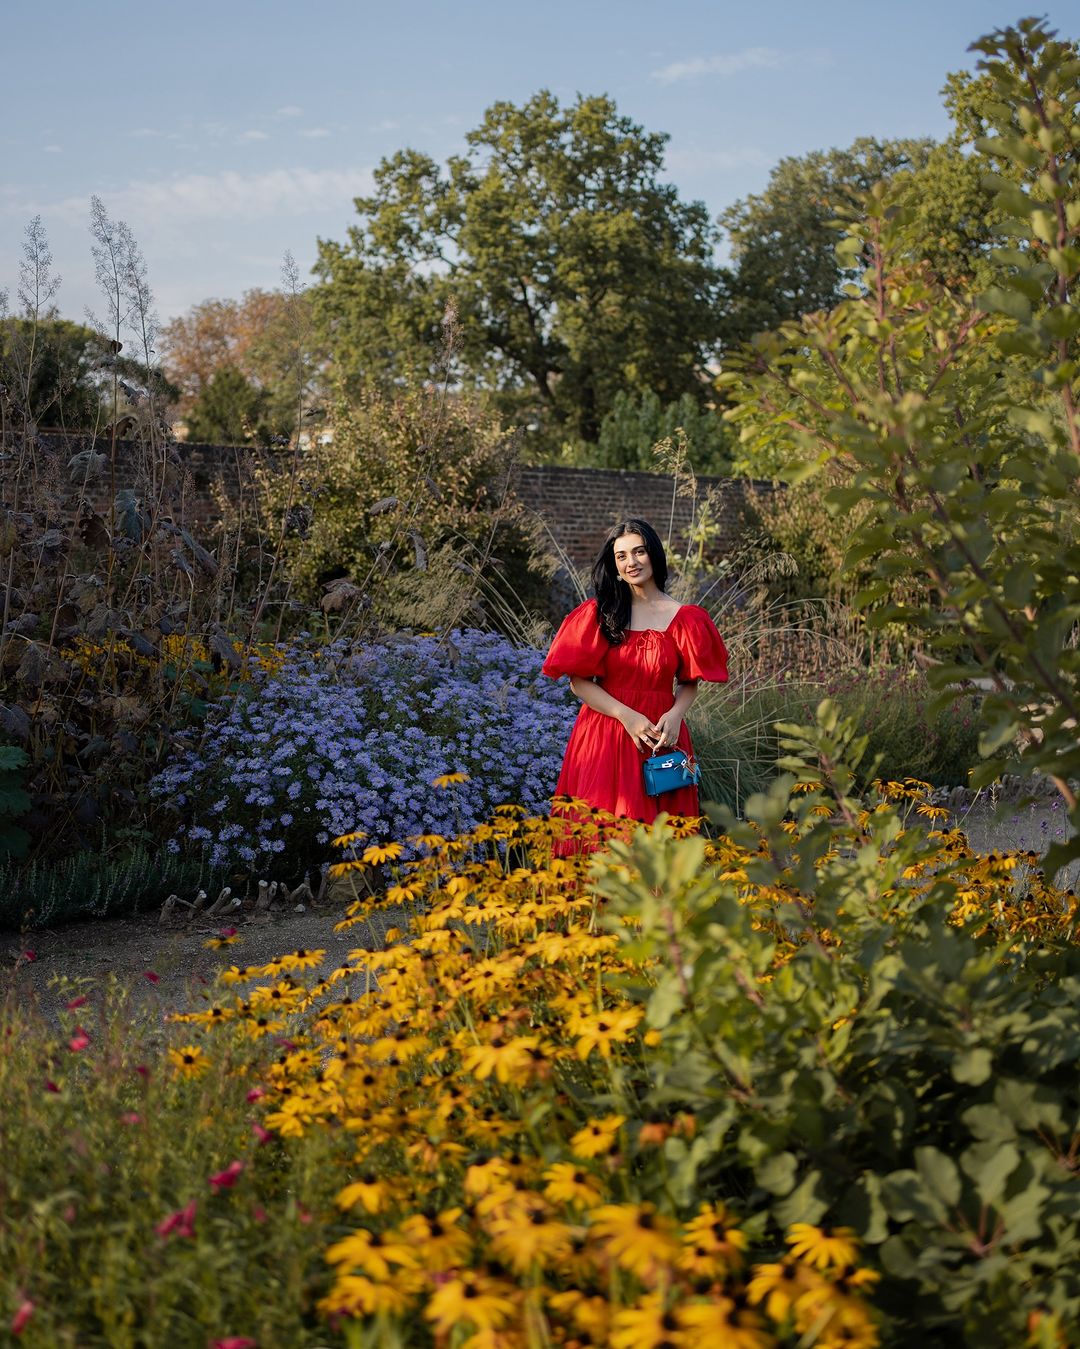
(580, 505)
(577, 505)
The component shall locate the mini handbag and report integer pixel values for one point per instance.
(669, 771)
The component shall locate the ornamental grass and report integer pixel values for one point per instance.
(635, 1096)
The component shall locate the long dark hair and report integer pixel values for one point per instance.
(613, 596)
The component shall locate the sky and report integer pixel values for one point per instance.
(227, 134)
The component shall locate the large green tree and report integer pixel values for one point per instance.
(783, 241)
(574, 270)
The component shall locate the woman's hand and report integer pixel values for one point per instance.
(641, 730)
(669, 726)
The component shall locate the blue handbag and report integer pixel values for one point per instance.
(669, 771)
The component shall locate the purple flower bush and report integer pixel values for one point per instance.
(335, 742)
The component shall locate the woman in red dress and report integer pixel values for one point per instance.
(634, 656)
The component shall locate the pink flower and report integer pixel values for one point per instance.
(225, 1180)
(76, 1002)
(50, 1085)
(29, 955)
(79, 1040)
(131, 1118)
(256, 1093)
(263, 1135)
(228, 931)
(234, 1342)
(154, 978)
(259, 1213)
(181, 1223)
(23, 1314)
(143, 1070)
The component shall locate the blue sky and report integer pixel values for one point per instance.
(227, 133)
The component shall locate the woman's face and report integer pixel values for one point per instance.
(632, 560)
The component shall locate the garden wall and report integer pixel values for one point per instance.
(577, 505)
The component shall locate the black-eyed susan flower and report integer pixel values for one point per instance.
(604, 1029)
(823, 1248)
(570, 1184)
(449, 779)
(508, 1060)
(438, 1240)
(189, 1060)
(779, 1286)
(346, 840)
(719, 1324)
(373, 1253)
(635, 1236)
(474, 1299)
(379, 853)
(649, 1324)
(598, 1137)
(301, 959)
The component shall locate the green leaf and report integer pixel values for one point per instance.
(973, 1066)
(777, 1173)
(998, 300)
(939, 1173)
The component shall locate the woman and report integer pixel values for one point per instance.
(634, 656)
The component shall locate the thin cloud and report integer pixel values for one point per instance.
(700, 160)
(724, 63)
(253, 136)
(53, 149)
(193, 197)
(316, 133)
(289, 110)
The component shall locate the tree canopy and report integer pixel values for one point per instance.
(574, 270)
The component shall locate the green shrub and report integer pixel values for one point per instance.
(862, 1051)
(910, 735)
(14, 802)
(96, 884)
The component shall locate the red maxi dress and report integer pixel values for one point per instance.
(602, 765)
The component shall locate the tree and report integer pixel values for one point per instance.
(575, 271)
(265, 338)
(636, 423)
(967, 480)
(232, 410)
(782, 242)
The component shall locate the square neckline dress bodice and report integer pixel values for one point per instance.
(602, 765)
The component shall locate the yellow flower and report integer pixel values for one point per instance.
(470, 1298)
(449, 779)
(369, 1191)
(387, 853)
(509, 1060)
(646, 1326)
(439, 1242)
(598, 1136)
(712, 1242)
(568, 1184)
(780, 1286)
(822, 1248)
(301, 960)
(636, 1236)
(373, 1253)
(604, 1029)
(189, 1060)
(346, 839)
(218, 943)
(718, 1324)
(524, 1235)
(354, 1295)
(403, 894)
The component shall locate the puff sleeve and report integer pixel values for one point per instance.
(579, 647)
(702, 653)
